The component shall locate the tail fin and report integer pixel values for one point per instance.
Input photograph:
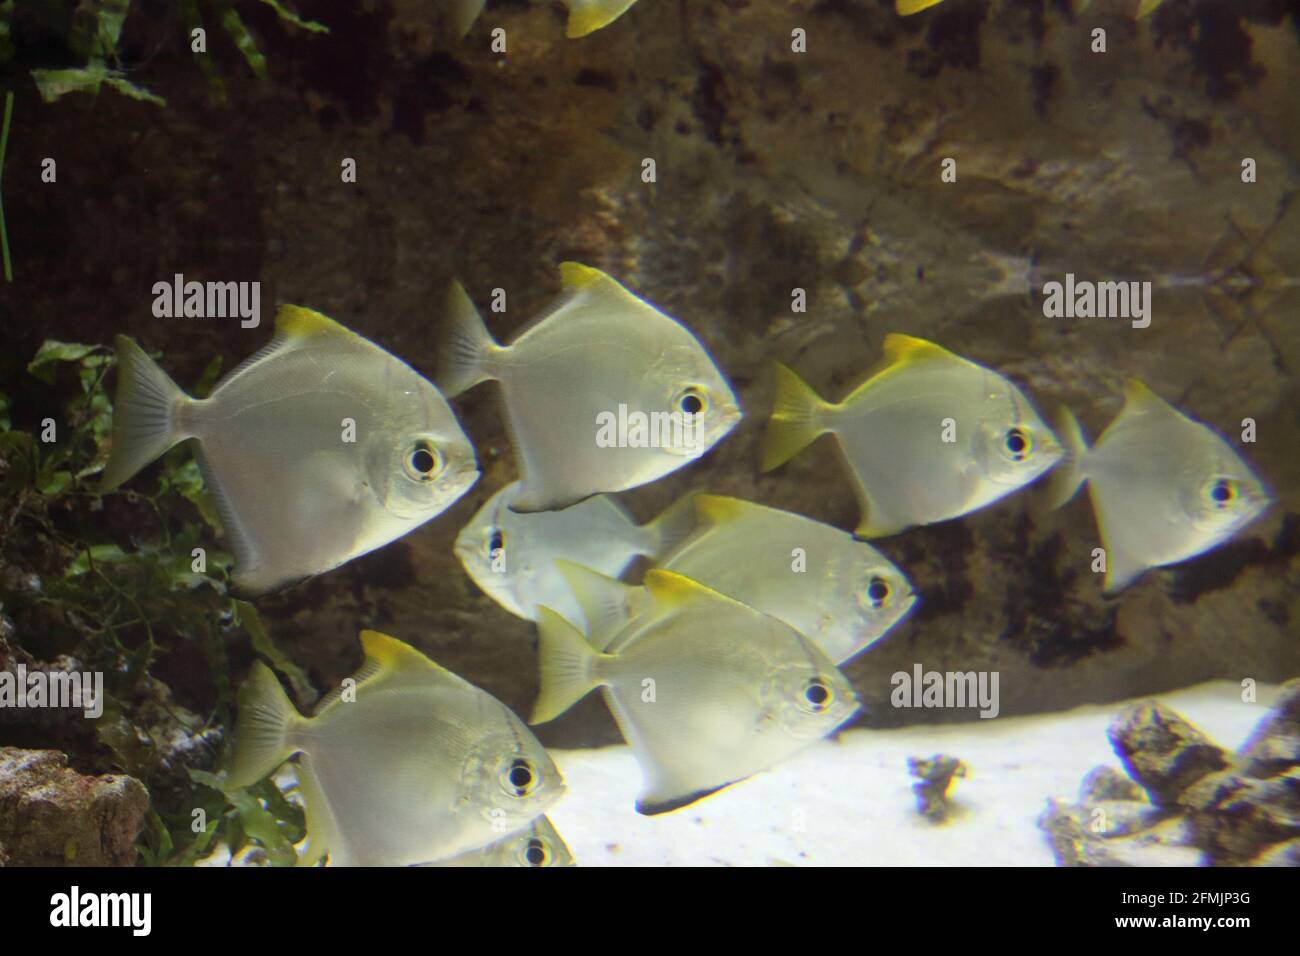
(144, 416)
(566, 666)
(261, 733)
(796, 419)
(588, 16)
(1069, 474)
(469, 346)
(605, 601)
(670, 527)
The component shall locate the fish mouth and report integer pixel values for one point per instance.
(461, 480)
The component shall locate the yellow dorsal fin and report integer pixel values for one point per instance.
(298, 323)
(671, 589)
(903, 349)
(906, 8)
(579, 278)
(574, 275)
(587, 16)
(719, 509)
(389, 655)
(1137, 395)
(1140, 400)
(901, 352)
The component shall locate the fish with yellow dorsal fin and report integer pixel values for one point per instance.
(706, 690)
(411, 765)
(319, 448)
(840, 593)
(928, 436)
(1164, 488)
(603, 392)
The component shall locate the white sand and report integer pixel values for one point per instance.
(850, 802)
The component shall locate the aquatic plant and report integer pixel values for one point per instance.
(92, 31)
(70, 587)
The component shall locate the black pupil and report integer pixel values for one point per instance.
(878, 590)
(498, 541)
(692, 405)
(520, 776)
(817, 694)
(1015, 442)
(1222, 491)
(422, 461)
(535, 854)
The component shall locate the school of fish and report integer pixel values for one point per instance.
(715, 631)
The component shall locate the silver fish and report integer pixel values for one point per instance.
(603, 392)
(928, 435)
(840, 593)
(1164, 488)
(538, 846)
(707, 691)
(319, 448)
(410, 765)
(511, 556)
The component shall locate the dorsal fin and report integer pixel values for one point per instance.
(1140, 400)
(296, 322)
(720, 509)
(387, 660)
(671, 590)
(394, 655)
(902, 352)
(903, 349)
(578, 278)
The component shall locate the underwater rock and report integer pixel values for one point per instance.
(1163, 752)
(1108, 783)
(1226, 809)
(936, 776)
(51, 815)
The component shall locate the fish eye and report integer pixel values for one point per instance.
(878, 592)
(692, 401)
(817, 696)
(535, 853)
(1222, 492)
(519, 779)
(1018, 444)
(496, 541)
(423, 461)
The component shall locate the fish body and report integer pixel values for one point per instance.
(319, 448)
(511, 556)
(539, 845)
(840, 593)
(598, 359)
(1164, 487)
(928, 437)
(417, 767)
(706, 691)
